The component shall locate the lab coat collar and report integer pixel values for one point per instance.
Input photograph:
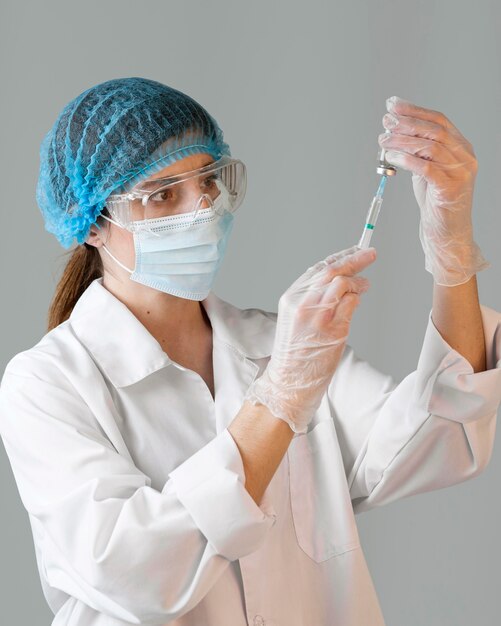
(126, 350)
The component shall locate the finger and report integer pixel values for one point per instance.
(427, 169)
(345, 308)
(361, 257)
(309, 289)
(331, 295)
(424, 148)
(350, 264)
(404, 107)
(343, 314)
(340, 285)
(406, 125)
(342, 254)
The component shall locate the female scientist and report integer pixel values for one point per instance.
(187, 462)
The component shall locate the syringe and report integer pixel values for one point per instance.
(386, 170)
(372, 215)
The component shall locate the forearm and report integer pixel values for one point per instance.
(457, 316)
(262, 440)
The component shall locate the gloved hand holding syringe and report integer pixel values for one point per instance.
(385, 169)
(314, 316)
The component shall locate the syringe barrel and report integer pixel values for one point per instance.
(373, 212)
(365, 239)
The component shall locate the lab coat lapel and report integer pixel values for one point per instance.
(122, 347)
(242, 344)
(233, 373)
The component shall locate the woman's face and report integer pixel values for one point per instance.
(120, 241)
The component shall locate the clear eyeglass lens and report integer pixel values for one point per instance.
(184, 197)
(221, 189)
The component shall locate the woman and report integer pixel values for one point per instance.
(187, 462)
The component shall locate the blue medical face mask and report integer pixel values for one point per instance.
(177, 257)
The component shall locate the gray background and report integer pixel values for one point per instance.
(299, 90)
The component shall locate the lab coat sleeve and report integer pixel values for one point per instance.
(434, 429)
(109, 539)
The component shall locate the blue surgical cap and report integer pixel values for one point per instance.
(110, 137)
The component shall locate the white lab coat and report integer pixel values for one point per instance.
(135, 487)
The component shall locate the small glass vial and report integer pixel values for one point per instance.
(384, 168)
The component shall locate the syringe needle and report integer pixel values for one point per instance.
(382, 183)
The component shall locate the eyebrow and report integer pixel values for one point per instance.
(150, 183)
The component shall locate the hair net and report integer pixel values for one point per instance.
(108, 138)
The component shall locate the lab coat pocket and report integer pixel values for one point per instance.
(321, 505)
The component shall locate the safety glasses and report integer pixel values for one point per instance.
(219, 186)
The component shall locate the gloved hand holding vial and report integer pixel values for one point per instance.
(443, 166)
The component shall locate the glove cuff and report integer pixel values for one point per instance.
(451, 269)
(264, 391)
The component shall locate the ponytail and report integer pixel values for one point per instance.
(84, 266)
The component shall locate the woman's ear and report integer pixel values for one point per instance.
(96, 236)
(99, 231)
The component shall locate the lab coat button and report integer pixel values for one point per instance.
(258, 620)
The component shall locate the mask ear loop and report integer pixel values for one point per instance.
(109, 219)
(116, 260)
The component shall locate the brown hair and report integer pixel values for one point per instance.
(83, 267)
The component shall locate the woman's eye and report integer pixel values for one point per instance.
(210, 181)
(161, 196)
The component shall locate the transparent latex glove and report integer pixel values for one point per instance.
(444, 169)
(313, 322)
